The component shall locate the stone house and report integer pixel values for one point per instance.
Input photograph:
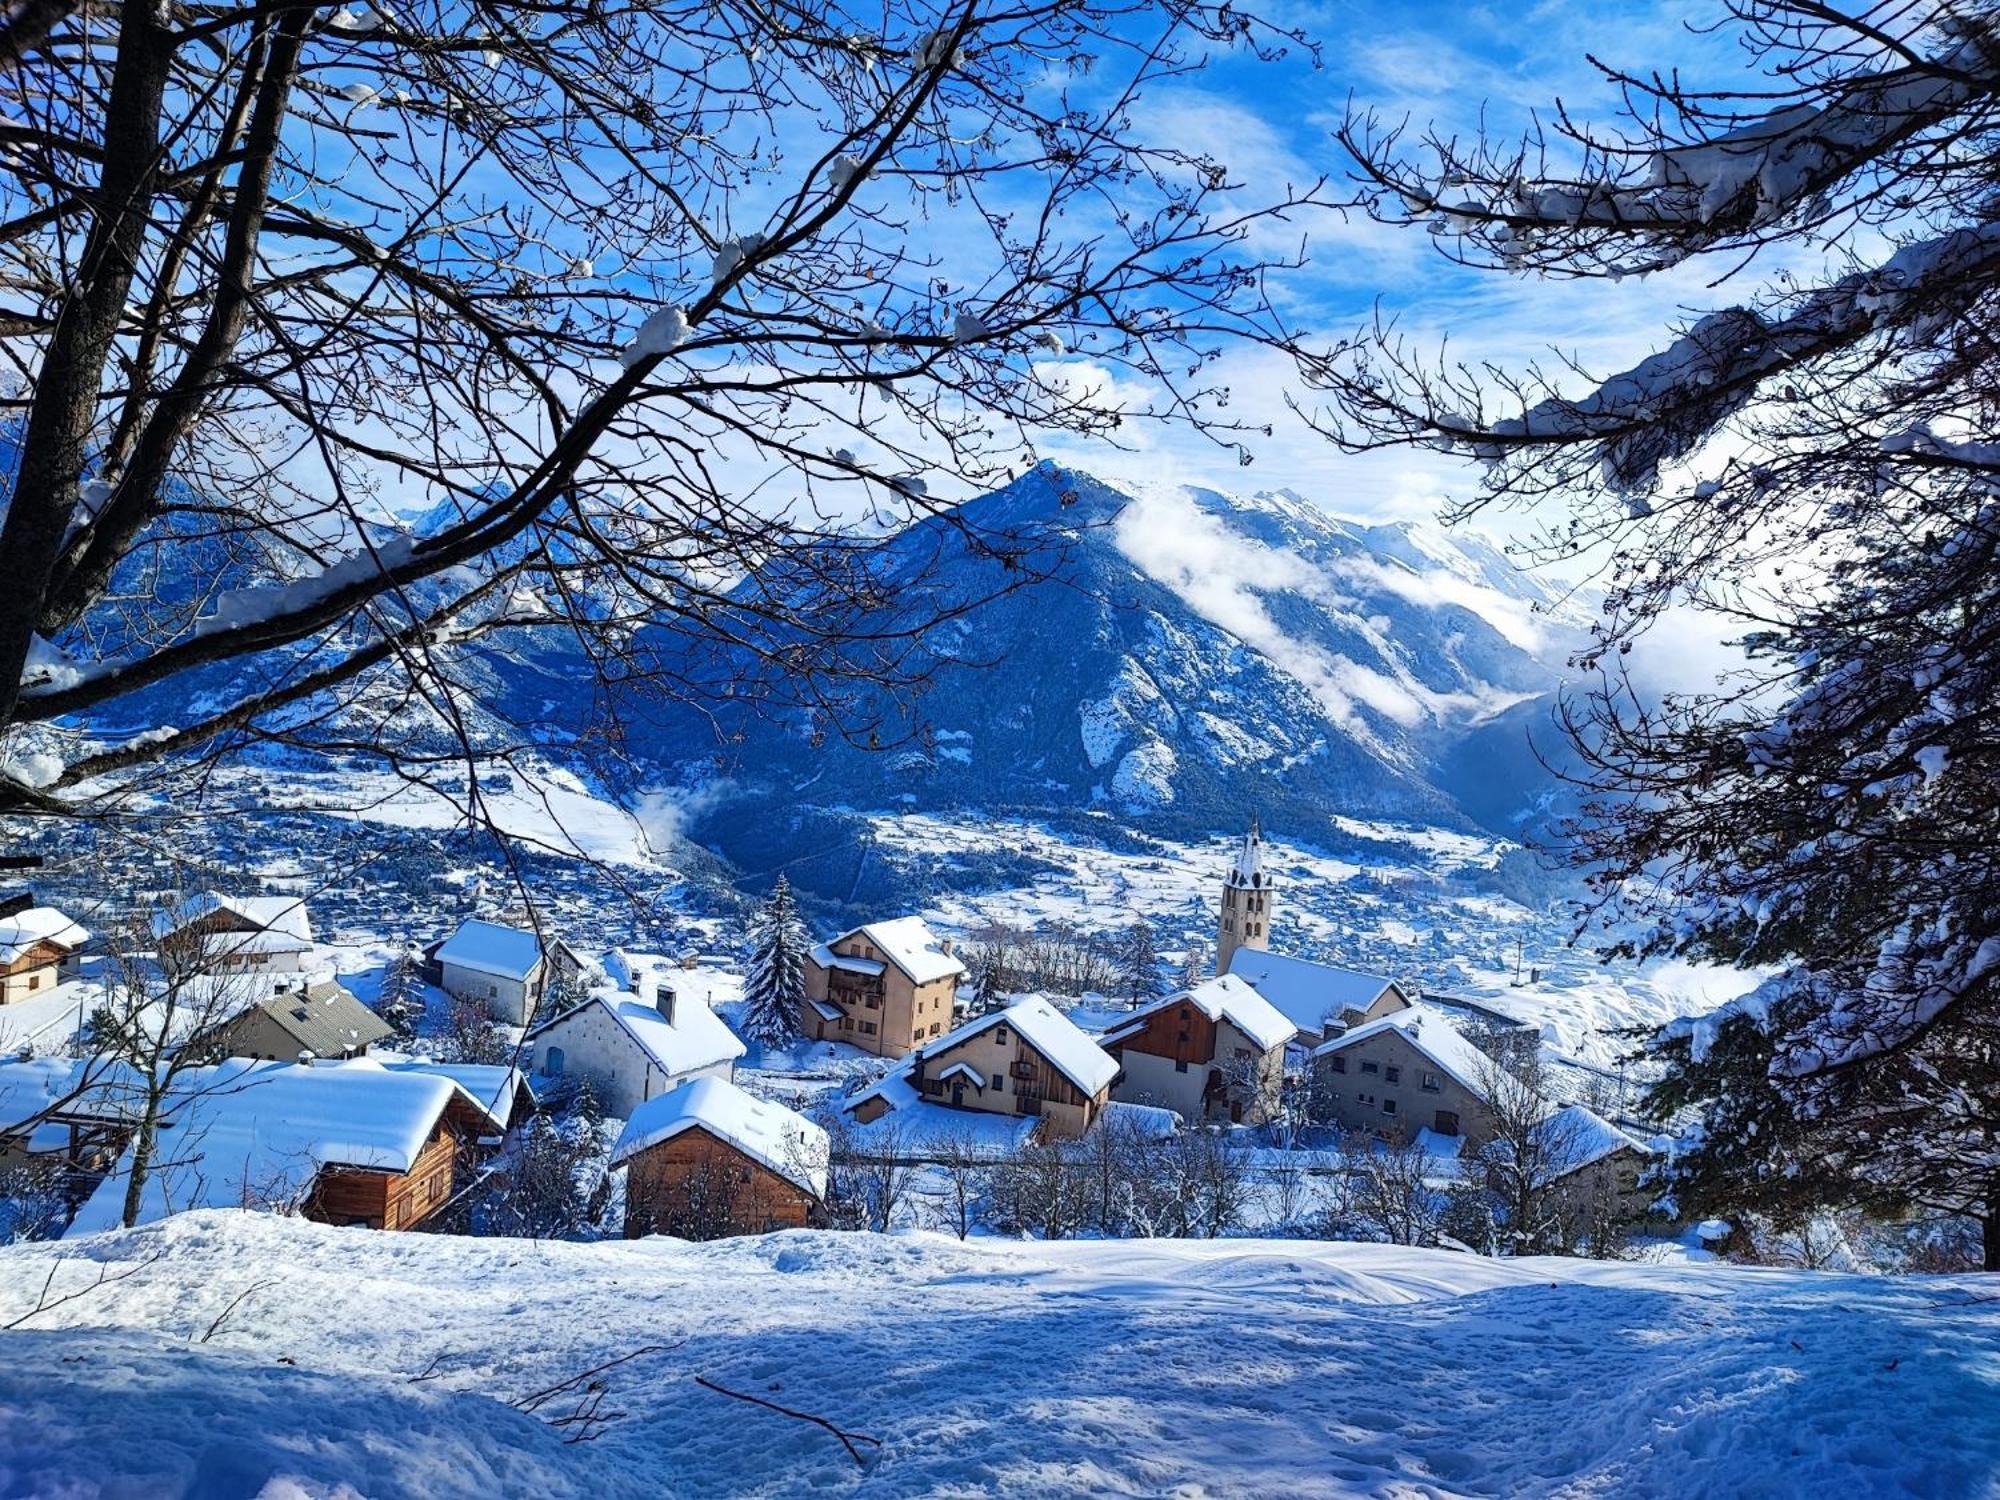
(1408, 1072)
(1215, 1052)
(707, 1159)
(887, 987)
(311, 1020)
(502, 968)
(1322, 1000)
(631, 1050)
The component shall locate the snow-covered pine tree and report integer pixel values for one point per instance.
(1194, 966)
(1817, 467)
(775, 986)
(1139, 964)
(401, 1000)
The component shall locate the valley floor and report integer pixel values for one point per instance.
(243, 1355)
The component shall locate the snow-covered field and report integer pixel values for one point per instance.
(360, 1363)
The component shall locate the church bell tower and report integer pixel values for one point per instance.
(1246, 902)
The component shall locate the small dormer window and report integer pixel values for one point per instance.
(1000, 1034)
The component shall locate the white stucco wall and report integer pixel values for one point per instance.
(621, 1074)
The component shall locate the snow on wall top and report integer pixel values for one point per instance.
(250, 1133)
(38, 924)
(911, 946)
(775, 1137)
(489, 948)
(1431, 1033)
(1307, 992)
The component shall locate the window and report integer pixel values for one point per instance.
(1430, 1083)
(1392, 1074)
(1180, 1066)
(1388, 1106)
(999, 1083)
(1369, 1067)
(1446, 1122)
(553, 1063)
(868, 1028)
(1364, 1099)
(1339, 1063)
(847, 1023)
(1000, 1034)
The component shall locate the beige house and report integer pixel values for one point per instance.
(317, 1020)
(1028, 1060)
(887, 987)
(38, 950)
(709, 1160)
(1215, 1052)
(1408, 1072)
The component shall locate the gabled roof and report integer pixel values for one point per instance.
(911, 946)
(324, 1019)
(256, 1133)
(281, 917)
(1069, 1049)
(1581, 1137)
(1309, 994)
(494, 1087)
(696, 1038)
(1430, 1031)
(780, 1139)
(1227, 998)
(38, 924)
(489, 948)
(826, 958)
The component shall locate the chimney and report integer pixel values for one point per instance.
(663, 1001)
(947, 946)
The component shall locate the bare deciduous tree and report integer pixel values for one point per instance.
(644, 305)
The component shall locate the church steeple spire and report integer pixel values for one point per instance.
(1246, 901)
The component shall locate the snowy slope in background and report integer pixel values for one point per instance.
(1194, 656)
(1230, 1367)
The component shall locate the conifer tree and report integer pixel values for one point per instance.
(401, 1000)
(776, 985)
(1139, 964)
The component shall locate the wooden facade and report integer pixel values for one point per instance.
(698, 1186)
(390, 1200)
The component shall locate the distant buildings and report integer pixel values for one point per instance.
(886, 988)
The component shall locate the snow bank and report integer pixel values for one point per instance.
(1232, 1367)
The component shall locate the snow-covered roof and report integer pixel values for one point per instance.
(826, 958)
(1248, 871)
(1308, 993)
(1152, 1121)
(1069, 1049)
(909, 944)
(1581, 1137)
(38, 924)
(775, 1137)
(283, 917)
(29, 1086)
(917, 1127)
(1430, 1031)
(696, 1037)
(489, 948)
(1227, 998)
(494, 1087)
(324, 1019)
(254, 1133)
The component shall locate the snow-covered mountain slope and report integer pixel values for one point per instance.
(244, 1354)
(1191, 657)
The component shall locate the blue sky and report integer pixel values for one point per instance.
(1453, 66)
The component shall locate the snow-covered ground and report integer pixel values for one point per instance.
(244, 1354)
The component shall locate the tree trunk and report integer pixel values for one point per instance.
(1989, 1236)
(142, 1159)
